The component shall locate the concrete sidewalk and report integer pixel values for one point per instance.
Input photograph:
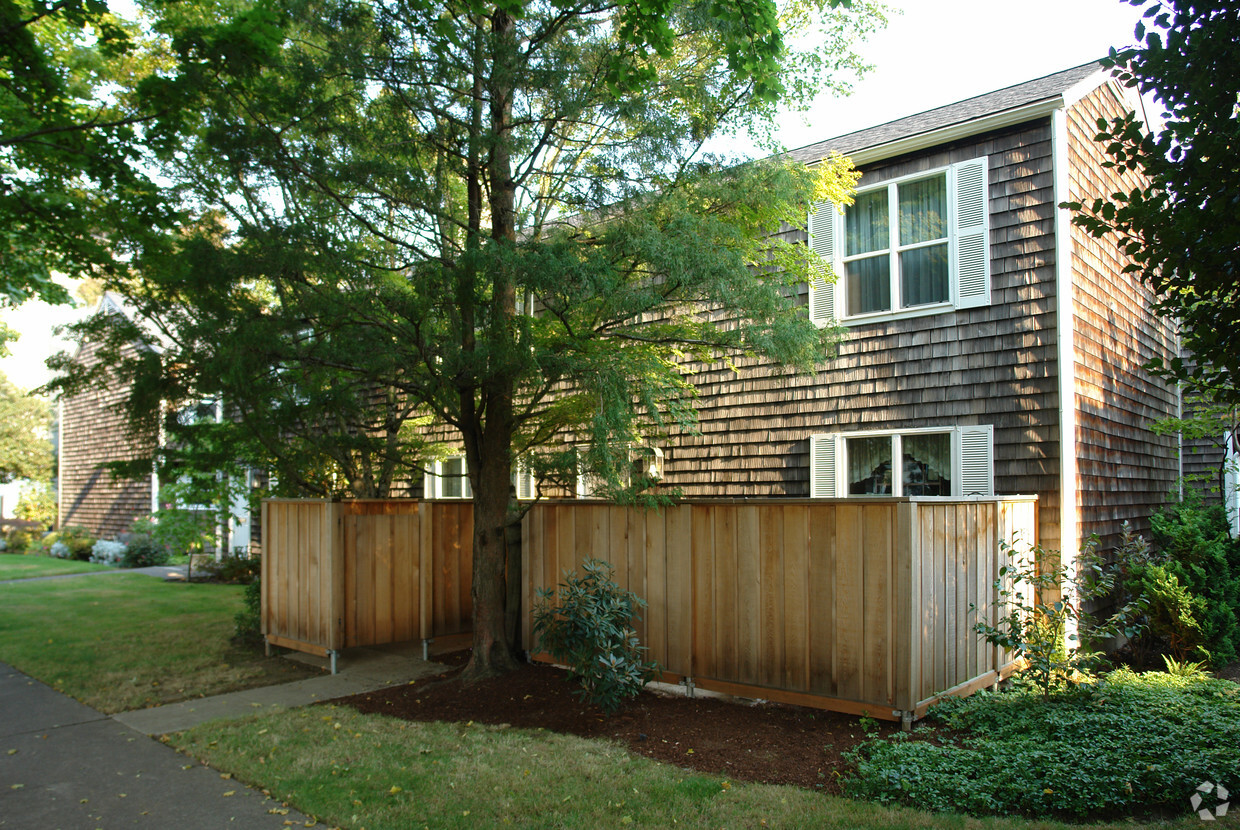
(64, 765)
(360, 670)
(170, 572)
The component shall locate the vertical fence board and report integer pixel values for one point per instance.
(796, 592)
(703, 604)
(770, 548)
(822, 597)
(678, 544)
(748, 598)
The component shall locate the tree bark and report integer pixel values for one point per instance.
(489, 454)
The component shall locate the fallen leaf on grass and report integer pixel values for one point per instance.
(395, 789)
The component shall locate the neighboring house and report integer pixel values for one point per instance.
(990, 347)
(94, 432)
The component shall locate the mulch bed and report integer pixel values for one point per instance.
(742, 740)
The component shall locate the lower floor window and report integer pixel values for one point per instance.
(944, 461)
(447, 479)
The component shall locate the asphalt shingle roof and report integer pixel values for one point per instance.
(980, 106)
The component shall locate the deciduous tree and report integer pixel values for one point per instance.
(502, 211)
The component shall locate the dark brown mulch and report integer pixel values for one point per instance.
(764, 742)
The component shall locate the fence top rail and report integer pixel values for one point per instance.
(705, 502)
(855, 500)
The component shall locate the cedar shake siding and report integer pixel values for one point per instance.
(1124, 470)
(93, 432)
(990, 365)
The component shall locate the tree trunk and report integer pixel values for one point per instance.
(488, 440)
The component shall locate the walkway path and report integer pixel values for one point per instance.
(65, 765)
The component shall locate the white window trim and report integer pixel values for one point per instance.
(827, 301)
(433, 482)
(973, 444)
(651, 456)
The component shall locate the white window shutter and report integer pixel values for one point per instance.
(822, 220)
(971, 233)
(429, 479)
(975, 462)
(822, 466)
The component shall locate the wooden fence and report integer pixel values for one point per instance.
(858, 606)
(855, 605)
(357, 573)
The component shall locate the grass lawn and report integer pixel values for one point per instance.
(21, 566)
(373, 772)
(130, 641)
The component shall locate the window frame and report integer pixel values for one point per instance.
(433, 481)
(829, 461)
(968, 248)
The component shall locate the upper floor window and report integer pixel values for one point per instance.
(914, 245)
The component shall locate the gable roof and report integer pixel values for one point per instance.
(1010, 105)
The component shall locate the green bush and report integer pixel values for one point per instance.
(19, 541)
(143, 552)
(591, 632)
(77, 539)
(249, 618)
(1128, 744)
(1197, 557)
(233, 569)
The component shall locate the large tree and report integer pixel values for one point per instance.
(502, 210)
(1180, 229)
(25, 451)
(74, 197)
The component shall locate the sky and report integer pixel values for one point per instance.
(931, 54)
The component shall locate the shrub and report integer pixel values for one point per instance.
(144, 552)
(107, 553)
(233, 569)
(37, 503)
(77, 539)
(1195, 548)
(591, 632)
(1039, 601)
(59, 550)
(18, 541)
(1127, 744)
(249, 618)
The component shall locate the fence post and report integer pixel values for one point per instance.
(908, 611)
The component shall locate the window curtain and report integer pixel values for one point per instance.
(868, 281)
(923, 218)
(869, 466)
(927, 464)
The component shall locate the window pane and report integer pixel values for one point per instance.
(867, 284)
(927, 464)
(923, 210)
(865, 223)
(923, 276)
(869, 466)
(453, 478)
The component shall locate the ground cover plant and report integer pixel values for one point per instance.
(370, 771)
(25, 566)
(1125, 744)
(128, 641)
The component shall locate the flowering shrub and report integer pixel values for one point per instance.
(59, 550)
(108, 553)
